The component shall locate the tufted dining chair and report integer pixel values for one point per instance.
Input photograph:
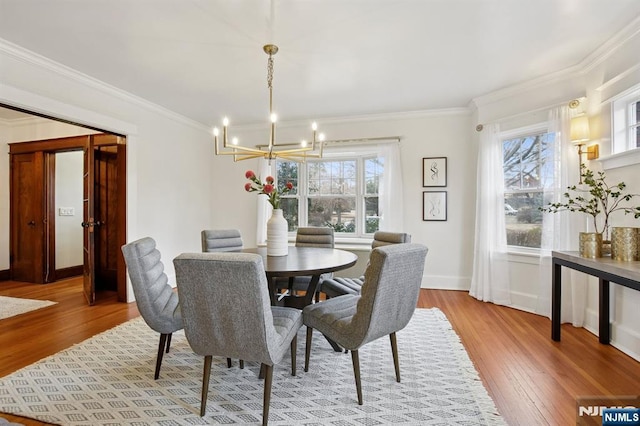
(217, 240)
(386, 304)
(337, 286)
(226, 312)
(156, 300)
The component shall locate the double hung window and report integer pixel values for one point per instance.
(340, 192)
(528, 170)
(626, 122)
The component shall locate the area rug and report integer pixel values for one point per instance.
(11, 306)
(108, 379)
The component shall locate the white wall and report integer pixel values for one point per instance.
(612, 70)
(435, 134)
(68, 195)
(169, 158)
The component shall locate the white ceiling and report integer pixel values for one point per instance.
(203, 58)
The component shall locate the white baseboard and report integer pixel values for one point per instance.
(441, 282)
(622, 337)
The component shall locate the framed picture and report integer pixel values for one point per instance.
(434, 171)
(434, 205)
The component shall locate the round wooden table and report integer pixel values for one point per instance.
(302, 261)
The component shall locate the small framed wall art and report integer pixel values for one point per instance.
(434, 171)
(434, 205)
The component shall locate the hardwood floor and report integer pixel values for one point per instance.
(533, 380)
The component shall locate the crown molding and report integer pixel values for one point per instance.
(526, 86)
(29, 57)
(609, 47)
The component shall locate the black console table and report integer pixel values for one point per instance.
(606, 269)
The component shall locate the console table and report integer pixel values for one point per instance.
(606, 269)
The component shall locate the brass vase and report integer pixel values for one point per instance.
(590, 244)
(624, 244)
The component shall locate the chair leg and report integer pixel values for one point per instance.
(294, 348)
(168, 341)
(161, 346)
(394, 350)
(307, 350)
(268, 370)
(261, 373)
(356, 371)
(241, 364)
(205, 384)
(228, 362)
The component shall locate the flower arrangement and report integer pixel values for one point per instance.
(598, 197)
(267, 188)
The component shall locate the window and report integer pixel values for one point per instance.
(338, 192)
(528, 169)
(626, 122)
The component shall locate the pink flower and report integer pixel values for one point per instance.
(289, 186)
(269, 179)
(249, 174)
(247, 186)
(267, 188)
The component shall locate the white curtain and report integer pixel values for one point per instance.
(391, 189)
(560, 230)
(490, 279)
(264, 208)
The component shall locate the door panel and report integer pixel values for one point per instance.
(106, 210)
(27, 217)
(89, 283)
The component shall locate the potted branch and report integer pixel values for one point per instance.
(595, 198)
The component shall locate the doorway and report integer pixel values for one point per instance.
(34, 213)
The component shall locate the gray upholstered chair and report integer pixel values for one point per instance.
(222, 240)
(156, 300)
(226, 312)
(337, 286)
(309, 236)
(387, 302)
(216, 240)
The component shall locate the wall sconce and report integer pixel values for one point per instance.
(579, 136)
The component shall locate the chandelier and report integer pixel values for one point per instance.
(290, 151)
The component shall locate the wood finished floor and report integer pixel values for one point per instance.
(533, 380)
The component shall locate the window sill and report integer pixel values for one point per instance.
(621, 159)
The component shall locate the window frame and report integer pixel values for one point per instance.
(302, 194)
(516, 133)
(624, 128)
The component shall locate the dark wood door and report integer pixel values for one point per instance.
(27, 217)
(106, 213)
(88, 223)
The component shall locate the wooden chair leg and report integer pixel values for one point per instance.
(168, 341)
(205, 384)
(307, 350)
(261, 373)
(294, 348)
(228, 362)
(241, 364)
(394, 351)
(161, 346)
(356, 371)
(268, 376)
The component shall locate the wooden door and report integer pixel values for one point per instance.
(27, 217)
(106, 214)
(89, 281)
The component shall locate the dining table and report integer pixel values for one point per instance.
(302, 261)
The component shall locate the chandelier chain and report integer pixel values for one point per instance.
(270, 72)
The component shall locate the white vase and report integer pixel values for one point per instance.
(277, 230)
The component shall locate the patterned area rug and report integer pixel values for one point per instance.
(108, 380)
(11, 306)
